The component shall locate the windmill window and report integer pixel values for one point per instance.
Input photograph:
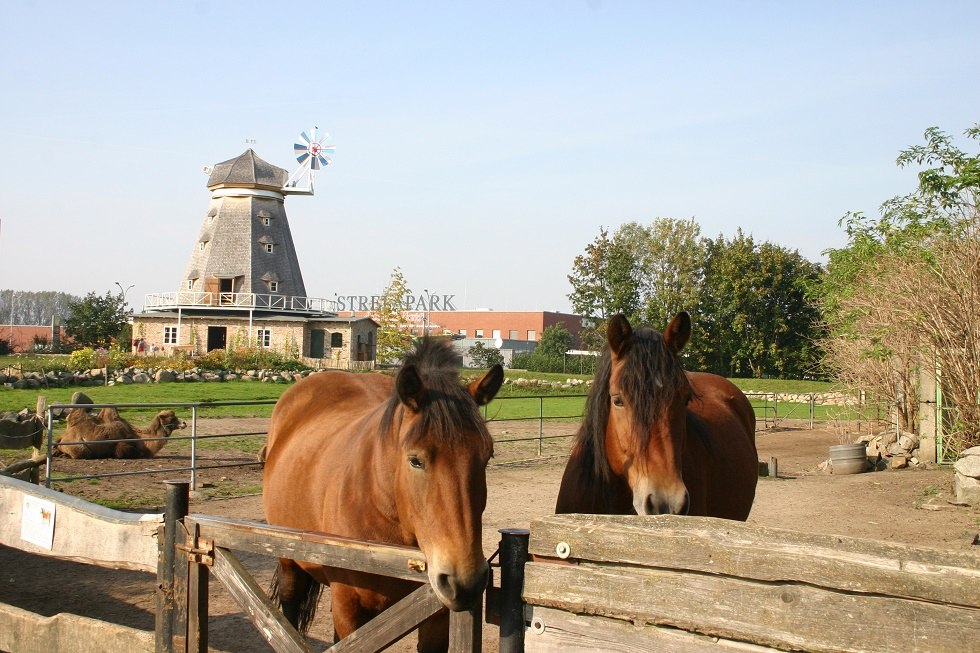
(263, 337)
(190, 284)
(273, 286)
(203, 245)
(479, 333)
(267, 221)
(337, 339)
(170, 335)
(269, 247)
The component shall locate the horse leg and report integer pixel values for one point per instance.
(434, 634)
(297, 594)
(348, 610)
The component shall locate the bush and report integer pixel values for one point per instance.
(538, 361)
(88, 358)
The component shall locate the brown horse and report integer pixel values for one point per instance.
(656, 439)
(400, 461)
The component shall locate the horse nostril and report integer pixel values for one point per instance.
(446, 588)
(686, 508)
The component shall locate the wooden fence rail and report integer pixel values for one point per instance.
(699, 584)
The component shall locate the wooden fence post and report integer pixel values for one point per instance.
(167, 608)
(513, 555)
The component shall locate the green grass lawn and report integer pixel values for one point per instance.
(513, 402)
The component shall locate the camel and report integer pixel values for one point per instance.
(95, 436)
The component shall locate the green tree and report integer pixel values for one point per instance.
(555, 340)
(672, 269)
(485, 357)
(96, 321)
(604, 282)
(755, 316)
(394, 334)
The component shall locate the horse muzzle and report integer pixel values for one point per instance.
(655, 501)
(459, 591)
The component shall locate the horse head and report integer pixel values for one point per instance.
(440, 478)
(646, 426)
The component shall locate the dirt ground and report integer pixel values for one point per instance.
(902, 506)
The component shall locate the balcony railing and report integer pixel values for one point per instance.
(239, 300)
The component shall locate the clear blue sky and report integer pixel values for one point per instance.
(480, 145)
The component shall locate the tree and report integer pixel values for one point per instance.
(672, 269)
(394, 335)
(34, 307)
(903, 294)
(485, 357)
(604, 282)
(555, 341)
(754, 313)
(97, 321)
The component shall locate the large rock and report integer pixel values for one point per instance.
(966, 489)
(165, 376)
(968, 466)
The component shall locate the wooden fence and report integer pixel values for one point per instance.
(49, 523)
(184, 551)
(680, 584)
(697, 584)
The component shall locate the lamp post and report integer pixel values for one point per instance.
(122, 293)
(425, 313)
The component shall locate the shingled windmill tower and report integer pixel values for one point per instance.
(243, 285)
(245, 245)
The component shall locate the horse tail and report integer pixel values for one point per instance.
(296, 592)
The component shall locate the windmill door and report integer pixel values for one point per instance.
(217, 337)
(317, 338)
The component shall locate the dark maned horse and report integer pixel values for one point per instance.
(656, 439)
(400, 461)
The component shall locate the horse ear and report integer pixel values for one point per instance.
(484, 390)
(410, 388)
(678, 331)
(619, 333)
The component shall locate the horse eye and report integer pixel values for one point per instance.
(416, 462)
(617, 401)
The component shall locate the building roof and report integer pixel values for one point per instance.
(249, 171)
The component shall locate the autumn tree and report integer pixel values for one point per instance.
(903, 294)
(394, 334)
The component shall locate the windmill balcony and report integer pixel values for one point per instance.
(239, 300)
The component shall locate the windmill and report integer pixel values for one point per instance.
(312, 155)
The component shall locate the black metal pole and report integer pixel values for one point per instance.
(513, 555)
(176, 509)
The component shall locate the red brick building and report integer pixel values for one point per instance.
(504, 325)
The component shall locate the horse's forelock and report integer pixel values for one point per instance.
(448, 410)
(651, 376)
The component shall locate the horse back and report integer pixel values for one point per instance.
(321, 398)
(720, 459)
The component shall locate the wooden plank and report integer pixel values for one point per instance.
(555, 631)
(719, 546)
(466, 630)
(83, 531)
(269, 621)
(25, 632)
(392, 624)
(198, 578)
(782, 615)
(388, 560)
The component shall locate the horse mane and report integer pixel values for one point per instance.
(652, 374)
(448, 410)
